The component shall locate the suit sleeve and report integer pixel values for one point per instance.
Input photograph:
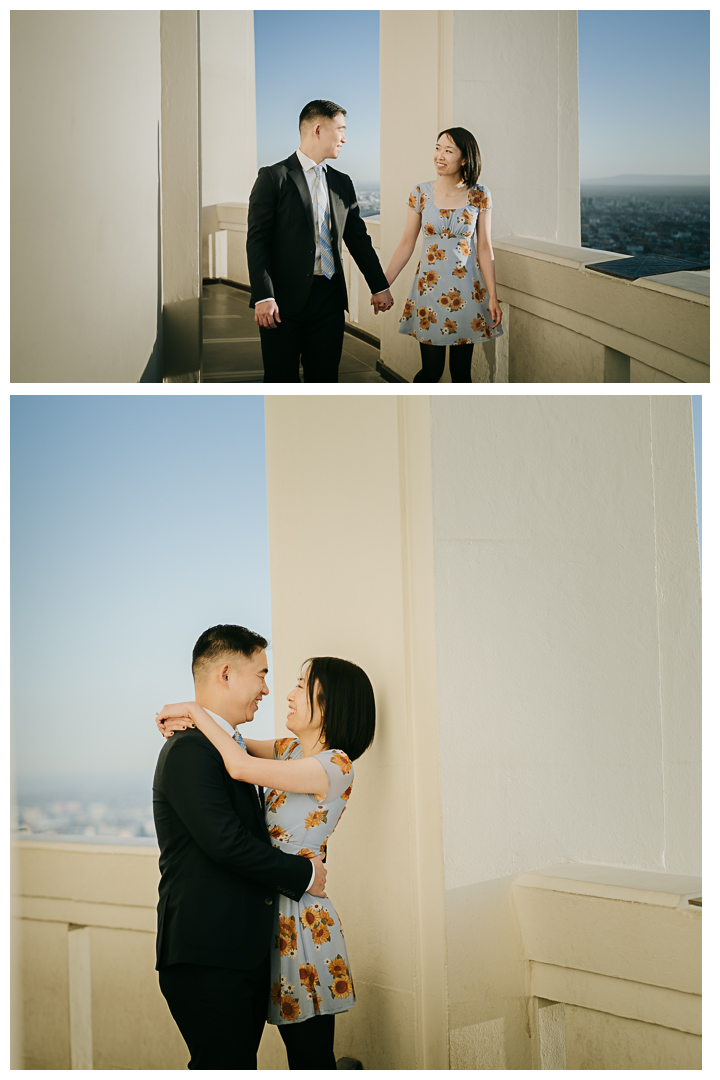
(360, 246)
(260, 232)
(193, 785)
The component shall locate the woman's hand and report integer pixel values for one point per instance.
(176, 717)
(495, 312)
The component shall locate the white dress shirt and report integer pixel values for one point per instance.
(308, 167)
(231, 731)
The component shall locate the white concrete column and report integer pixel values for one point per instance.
(416, 100)
(181, 208)
(229, 147)
(85, 208)
(350, 521)
(510, 77)
(80, 997)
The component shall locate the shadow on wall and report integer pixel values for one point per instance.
(154, 368)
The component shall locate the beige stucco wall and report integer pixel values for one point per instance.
(557, 648)
(229, 155)
(85, 100)
(351, 566)
(469, 68)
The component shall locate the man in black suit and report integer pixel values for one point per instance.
(219, 871)
(299, 213)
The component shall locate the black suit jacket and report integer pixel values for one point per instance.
(281, 236)
(219, 871)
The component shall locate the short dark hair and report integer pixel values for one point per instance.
(468, 147)
(320, 109)
(346, 699)
(222, 639)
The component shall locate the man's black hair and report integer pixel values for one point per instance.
(226, 638)
(320, 110)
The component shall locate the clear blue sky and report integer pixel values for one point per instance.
(137, 523)
(302, 55)
(644, 87)
(644, 92)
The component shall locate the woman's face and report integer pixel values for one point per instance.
(298, 718)
(448, 159)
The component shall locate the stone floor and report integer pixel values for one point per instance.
(231, 342)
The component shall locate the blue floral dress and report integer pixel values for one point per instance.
(448, 302)
(309, 970)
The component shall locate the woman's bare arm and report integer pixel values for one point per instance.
(264, 748)
(404, 250)
(305, 775)
(486, 262)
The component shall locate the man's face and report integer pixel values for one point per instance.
(245, 678)
(332, 137)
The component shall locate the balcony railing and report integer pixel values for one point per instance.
(563, 322)
(612, 961)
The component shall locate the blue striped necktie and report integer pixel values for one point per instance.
(260, 790)
(327, 263)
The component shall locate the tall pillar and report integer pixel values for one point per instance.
(350, 521)
(229, 146)
(181, 209)
(86, 292)
(511, 78)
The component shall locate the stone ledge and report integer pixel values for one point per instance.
(615, 883)
(693, 285)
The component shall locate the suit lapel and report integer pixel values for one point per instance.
(295, 170)
(336, 204)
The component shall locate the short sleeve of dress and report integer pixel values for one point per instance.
(415, 199)
(480, 197)
(284, 748)
(339, 769)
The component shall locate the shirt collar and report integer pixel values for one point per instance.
(219, 720)
(308, 163)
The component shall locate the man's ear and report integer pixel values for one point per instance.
(225, 673)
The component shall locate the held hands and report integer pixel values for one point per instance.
(267, 314)
(382, 301)
(495, 312)
(318, 885)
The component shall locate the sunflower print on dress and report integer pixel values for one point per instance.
(456, 287)
(310, 969)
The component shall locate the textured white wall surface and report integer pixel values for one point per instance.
(559, 698)
(516, 89)
(227, 66)
(85, 194)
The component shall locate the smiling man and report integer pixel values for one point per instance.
(219, 871)
(300, 212)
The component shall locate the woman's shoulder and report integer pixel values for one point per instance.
(479, 195)
(338, 758)
(285, 748)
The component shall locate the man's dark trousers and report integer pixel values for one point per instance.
(314, 336)
(220, 1012)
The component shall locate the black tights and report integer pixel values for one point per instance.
(433, 363)
(309, 1045)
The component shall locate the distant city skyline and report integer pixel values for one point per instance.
(644, 86)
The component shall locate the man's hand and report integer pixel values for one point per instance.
(267, 314)
(382, 301)
(318, 885)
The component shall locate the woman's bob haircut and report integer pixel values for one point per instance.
(347, 703)
(468, 147)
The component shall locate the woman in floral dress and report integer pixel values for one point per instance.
(310, 778)
(453, 300)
